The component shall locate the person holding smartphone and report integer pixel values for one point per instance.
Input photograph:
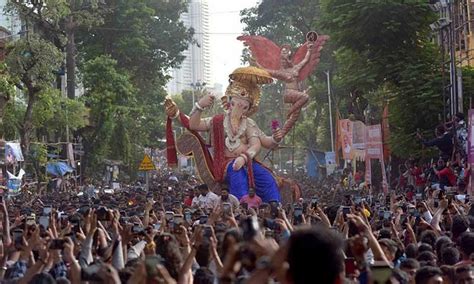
(226, 197)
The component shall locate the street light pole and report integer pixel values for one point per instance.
(330, 109)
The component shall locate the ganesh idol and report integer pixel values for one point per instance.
(240, 137)
(235, 138)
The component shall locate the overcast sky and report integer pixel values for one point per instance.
(225, 26)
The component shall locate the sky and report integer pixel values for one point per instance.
(224, 28)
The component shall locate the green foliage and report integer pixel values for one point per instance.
(144, 39)
(51, 18)
(32, 60)
(111, 97)
(385, 46)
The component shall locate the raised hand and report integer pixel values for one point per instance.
(206, 101)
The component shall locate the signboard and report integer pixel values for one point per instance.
(147, 164)
(470, 150)
(374, 150)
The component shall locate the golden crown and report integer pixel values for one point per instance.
(245, 83)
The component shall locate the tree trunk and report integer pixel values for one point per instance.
(27, 126)
(71, 59)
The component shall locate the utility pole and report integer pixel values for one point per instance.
(330, 109)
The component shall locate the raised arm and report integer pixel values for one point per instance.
(305, 60)
(195, 121)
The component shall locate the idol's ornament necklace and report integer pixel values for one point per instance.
(232, 141)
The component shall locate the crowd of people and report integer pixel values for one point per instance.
(179, 231)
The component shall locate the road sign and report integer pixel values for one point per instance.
(147, 164)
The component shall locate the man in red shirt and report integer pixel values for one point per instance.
(188, 201)
(417, 172)
(445, 174)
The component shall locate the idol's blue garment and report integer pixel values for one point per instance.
(265, 185)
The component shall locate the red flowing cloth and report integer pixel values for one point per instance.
(218, 163)
(171, 155)
(219, 146)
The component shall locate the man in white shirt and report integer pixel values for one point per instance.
(207, 199)
(229, 198)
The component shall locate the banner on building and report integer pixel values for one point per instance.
(470, 150)
(13, 153)
(374, 150)
(345, 127)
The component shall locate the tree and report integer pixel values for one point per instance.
(7, 89)
(57, 21)
(144, 38)
(385, 45)
(31, 61)
(110, 96)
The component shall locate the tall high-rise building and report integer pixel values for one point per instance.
(10, 26)
(196, 68)
(9, 20)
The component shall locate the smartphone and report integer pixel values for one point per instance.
(417, 221)
(269, 223)
(450, 197)
(412, 211)
(137, 229)
(207, 231)
(47, 210)
(274, 205)
(298, 212)
(169, 215)
(178, 219)
(314, 202)
(103, 214)
(57, 244)
(18, 240)
(403, 221)
(350, 265)
(17, 234)
(250, 228)
(44, 222)
(157, 226)
(419, 196)
(381, 272)
(387, 215)
(203, 219)
(1, 198)
(226, 208)
(357, 200)
(188, 216)
(436, 203)
(346, 210)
